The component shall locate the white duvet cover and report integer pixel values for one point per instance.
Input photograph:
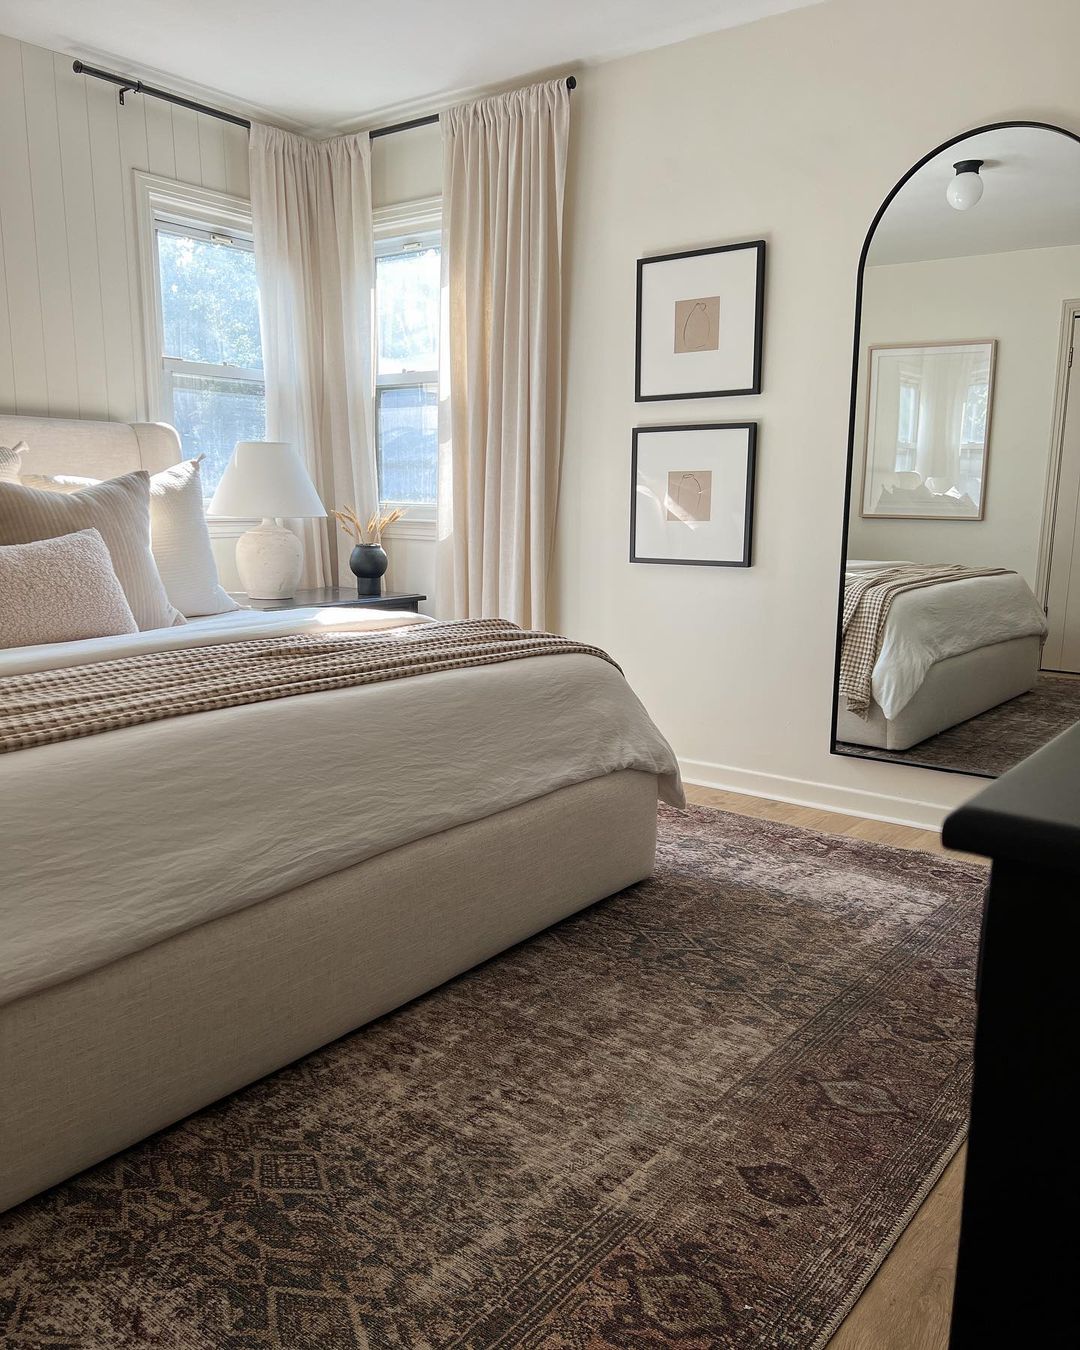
(928, 625)
(115, 841)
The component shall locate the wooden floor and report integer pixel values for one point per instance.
(906, 1306)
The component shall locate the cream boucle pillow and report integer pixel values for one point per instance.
(60, 590)
(120, 511)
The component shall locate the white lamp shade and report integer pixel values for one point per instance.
(265, 479)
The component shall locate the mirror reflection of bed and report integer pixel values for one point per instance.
(960, 639)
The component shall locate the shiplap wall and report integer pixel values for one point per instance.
(70, 322)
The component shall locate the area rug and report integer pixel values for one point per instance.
(995, 741)
(696, 1115)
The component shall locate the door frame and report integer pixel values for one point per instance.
(1070, 313)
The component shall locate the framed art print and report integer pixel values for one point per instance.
(928, 408)
(692, 494)
(699, 322)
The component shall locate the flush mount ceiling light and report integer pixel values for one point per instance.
(967, 187)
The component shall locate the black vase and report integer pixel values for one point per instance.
(368, 562)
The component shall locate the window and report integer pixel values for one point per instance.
(407, 291)
(204, 348)
(907, 432)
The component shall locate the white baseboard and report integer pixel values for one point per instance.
(822, 796)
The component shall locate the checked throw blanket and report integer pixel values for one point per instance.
(868, 597)
(61, 705)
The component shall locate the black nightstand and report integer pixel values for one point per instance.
(323, 597)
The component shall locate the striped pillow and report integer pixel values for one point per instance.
(11, 462)
(120, 512)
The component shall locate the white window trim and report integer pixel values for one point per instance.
(389, 224)
(206, 210)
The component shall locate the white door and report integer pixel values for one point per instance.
(1062, 650)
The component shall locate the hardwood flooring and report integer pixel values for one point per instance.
(907, 1304)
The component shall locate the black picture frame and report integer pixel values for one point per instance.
(751, 429)
(759, 245)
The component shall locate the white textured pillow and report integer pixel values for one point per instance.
(11, 462)
(179, 535)
(180, 538)
(60, 590)
(120, 511)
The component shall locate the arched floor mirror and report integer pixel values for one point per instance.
(958, 642)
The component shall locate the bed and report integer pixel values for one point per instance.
(193, 903)
(949, 652)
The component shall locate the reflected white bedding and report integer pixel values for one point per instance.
(118, 840)
(928, 625)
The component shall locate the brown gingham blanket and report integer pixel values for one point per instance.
(74, 701)
(868, 597)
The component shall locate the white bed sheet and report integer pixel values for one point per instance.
(234, 625)
(117, 840)
(936, 622)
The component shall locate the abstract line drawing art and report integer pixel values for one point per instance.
(689, 495)
(697, 325)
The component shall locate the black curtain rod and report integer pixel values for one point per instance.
(130, 86)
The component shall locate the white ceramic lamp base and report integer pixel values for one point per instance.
(269, 559)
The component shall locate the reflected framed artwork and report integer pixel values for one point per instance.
(699, 322)
(928, 407)
(692, 494)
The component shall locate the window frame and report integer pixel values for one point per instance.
(419, 220)
(200, 213)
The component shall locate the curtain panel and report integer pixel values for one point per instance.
(504, 170)
(314, 254)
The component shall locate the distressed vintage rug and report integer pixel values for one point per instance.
(997, 740)
(696, 1115)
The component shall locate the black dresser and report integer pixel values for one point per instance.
(1018, 1240)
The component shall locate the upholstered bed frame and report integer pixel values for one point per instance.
(954, 690)
(92, 1065)
(92, 449)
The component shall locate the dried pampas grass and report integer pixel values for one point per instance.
(372, 532)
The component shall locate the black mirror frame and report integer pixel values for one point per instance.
(945, 145)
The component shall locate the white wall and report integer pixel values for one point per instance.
(1017, 298)
(407, 166)
(792, 129)
(70, 322)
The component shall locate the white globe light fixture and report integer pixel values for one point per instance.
(967, 187)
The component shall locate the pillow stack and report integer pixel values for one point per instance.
(153, 529)
(119, 511)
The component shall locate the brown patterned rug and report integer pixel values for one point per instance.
(995, 741)
(697, 1114)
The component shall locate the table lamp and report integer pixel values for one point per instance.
(267, 479)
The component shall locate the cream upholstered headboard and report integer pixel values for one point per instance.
(91, 449)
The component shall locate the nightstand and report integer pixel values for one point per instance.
(323, 597)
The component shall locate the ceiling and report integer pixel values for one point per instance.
(331, 65)
(1031, 199)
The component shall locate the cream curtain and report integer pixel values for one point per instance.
(504, 168)
(311, 209)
